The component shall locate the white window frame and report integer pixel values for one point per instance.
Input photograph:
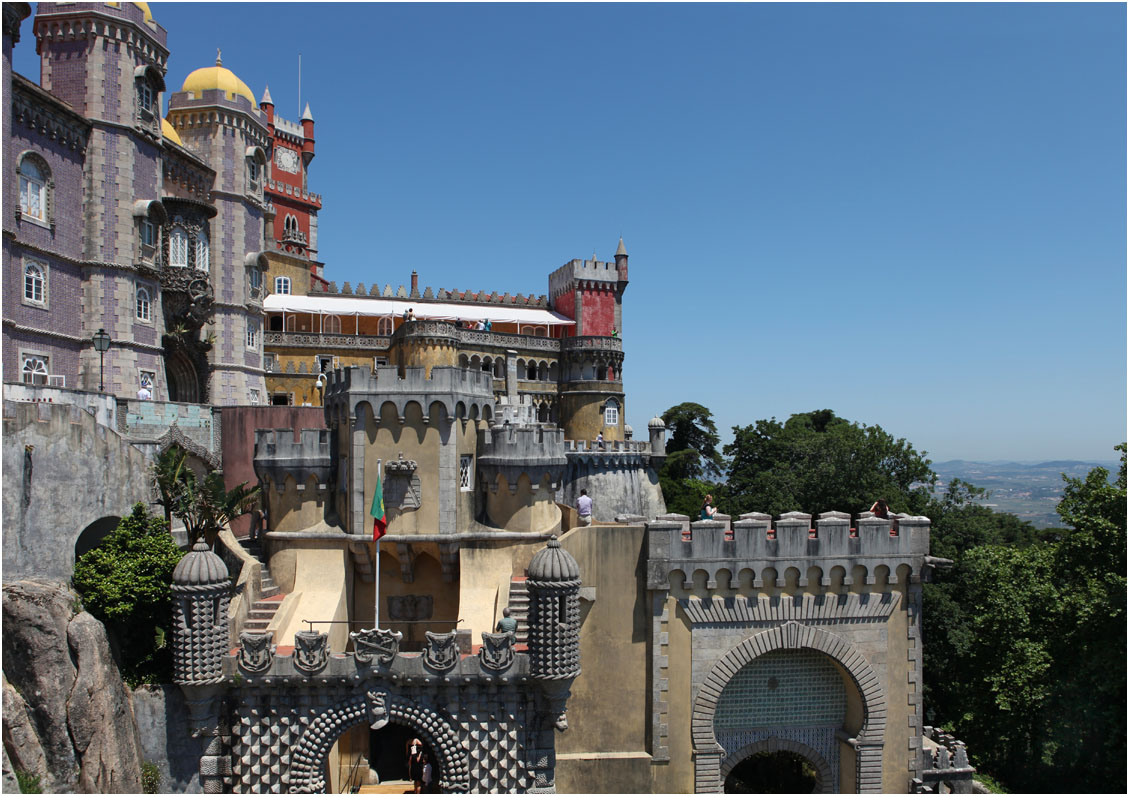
(203, 252)
(143, 311)
(380, 361)
(253, 393)
(145, 373)
(145, 99)
(150, 238)
(270, 361)
(178, 247)
(466, 473)
(252, 340)
(385, 325)
(255, 282)
(43, 371)
(39, 282)
(611, 413)
(282, 286)
(36, 186)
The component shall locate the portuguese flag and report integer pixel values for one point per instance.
(377, 510)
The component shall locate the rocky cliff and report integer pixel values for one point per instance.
(67, 714)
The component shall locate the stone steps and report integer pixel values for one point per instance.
(270, 596)
(520, 607)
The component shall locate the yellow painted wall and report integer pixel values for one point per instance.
(582, 416)
(485, 570)
(428, 580)
(313, 574)
(417, 441)
(524, 509)
(292, 510)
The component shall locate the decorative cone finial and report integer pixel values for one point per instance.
(219, 61)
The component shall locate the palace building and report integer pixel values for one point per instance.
(162, 273)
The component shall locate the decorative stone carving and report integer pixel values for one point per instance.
(378, 709)
(370, 643)
(440, 650)
(497, 652)
(255, 651)
(311, 651)
(404, 608)
(402, 490)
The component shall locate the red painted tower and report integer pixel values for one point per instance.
(294, 230)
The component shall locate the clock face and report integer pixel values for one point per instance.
(286, 159)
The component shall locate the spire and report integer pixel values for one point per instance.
(620, 250)
(306, 115)
(219, 61)
(266, 97)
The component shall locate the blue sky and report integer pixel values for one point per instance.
(914, 215)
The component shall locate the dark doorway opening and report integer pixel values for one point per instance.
(772, 773)
(389, 750)
(93, 535)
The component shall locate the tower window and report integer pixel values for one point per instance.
(384, 325)
(35, 283)
(144, 310)
(252, 334)
(178, 247)
(282, 285)
(465, 461)
(611, 413)
(255, 282)
(35, 179)
(203, 253)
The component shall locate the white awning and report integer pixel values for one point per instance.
(439, 311)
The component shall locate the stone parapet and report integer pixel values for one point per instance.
(602, 343)
(505, 340)
(755, 543)
(511, 450)
(278, 455)
(461, 392)
(313, 340)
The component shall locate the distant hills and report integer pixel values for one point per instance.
(1030, 491)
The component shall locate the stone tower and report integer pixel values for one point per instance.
(200, 616)
(591, 388)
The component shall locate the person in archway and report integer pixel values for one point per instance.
(416, 761)
(428, 775)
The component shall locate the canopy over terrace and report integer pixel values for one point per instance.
(396, 308)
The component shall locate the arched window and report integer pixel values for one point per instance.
(252, 176)
(282, 285)
(332, 325)
(33, 370)
(35, 283)
(384, 325)
(203, 253)
(290, 223)
(178, 247)
(34, 179)
(611, 413)
(144, 305)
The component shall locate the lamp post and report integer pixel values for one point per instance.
(101, 344)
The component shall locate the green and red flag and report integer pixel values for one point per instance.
(377, 510)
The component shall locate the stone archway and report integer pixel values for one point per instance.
(825, 777)
(792, 635)
(311, 752)
(183, 381)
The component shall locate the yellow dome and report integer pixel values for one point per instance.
(217, 77)
(168, 132)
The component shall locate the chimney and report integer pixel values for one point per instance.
(415, 284)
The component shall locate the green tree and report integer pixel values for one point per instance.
(692, 458)
(815, 462)
(203, 504)
(124, 582)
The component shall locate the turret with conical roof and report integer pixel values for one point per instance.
(201, 594)
(554, 583)
(307, 135)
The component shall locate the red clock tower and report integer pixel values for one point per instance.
(293, 233)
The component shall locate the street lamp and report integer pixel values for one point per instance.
(102, 344)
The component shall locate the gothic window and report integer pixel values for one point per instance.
(384, 325)
(254, 397)
(35, 182)
(611, 413)
(144, 305)
(282, 285)
(290, 224)
(252, 334)
(178, 247)
(465, 472)
(35, 283)
(252, 175)
(203, 258)
(33, 370)
(332, 325)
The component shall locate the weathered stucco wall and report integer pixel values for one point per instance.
(63, 471)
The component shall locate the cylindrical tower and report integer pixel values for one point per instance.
(200, 616)
(554, 583)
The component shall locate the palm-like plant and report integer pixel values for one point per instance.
(203, 505)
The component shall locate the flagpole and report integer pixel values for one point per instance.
(377, 565)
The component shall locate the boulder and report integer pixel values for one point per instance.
(67, 714)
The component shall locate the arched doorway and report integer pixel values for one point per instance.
(780, 772)
(183, 382)
(92, 536)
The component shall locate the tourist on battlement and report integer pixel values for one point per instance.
(880, 509)
(584, 509)
(600, 440)
(708, 512)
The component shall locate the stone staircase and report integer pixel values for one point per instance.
(270, 596)
(520, 607)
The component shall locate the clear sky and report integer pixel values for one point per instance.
(914, 215)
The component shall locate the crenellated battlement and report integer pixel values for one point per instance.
(434, 295)
(536, 450)
(278, 455)
(757, 543)
(462, 392)
(592, 273)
